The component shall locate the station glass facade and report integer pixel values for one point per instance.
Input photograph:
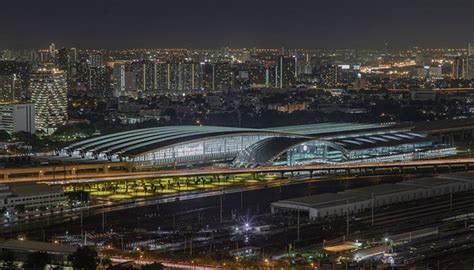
(212, 149)
(311, 152)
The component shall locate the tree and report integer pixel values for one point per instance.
(105, 263)
(4, 136)
(78, 195)
(84, 258)
(37, 261)
(8, 258)
(74, 131)
(29, 139)
(20, 208)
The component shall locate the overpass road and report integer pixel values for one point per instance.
(317, 169)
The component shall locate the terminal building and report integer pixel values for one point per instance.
(247, 147)
(361, 199)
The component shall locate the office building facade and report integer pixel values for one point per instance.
(48, 88)
(17, 117)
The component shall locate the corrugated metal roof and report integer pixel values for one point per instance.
(139, 141)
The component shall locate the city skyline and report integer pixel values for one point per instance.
(222, 134)
(304, 24)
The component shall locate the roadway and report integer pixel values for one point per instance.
(348, 168)
(444, 90)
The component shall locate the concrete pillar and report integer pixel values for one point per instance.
(5, 175)
(106, 168)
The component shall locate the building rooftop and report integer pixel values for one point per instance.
(380, 140)
(326, 199)
(443, 124)
(460, 176)
(35, 246)
(427, 182)
(380, 189)
(31, 189)
(327, 128)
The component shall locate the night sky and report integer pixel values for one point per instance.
(236, 23)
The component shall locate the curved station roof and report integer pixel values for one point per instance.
(140, 141)
(328, 142)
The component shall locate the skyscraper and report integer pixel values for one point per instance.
(175, 76)
(458, 68)
(13, 81)
(223, 76)
(285, 72)
(162, 76)
(73, 54)
(124, 78)
(463, 68)
(64, 59)
(102, 81)
(52, 52)
(469, 70)
(49, 95)
(330, 75)
(10, 88)
(17, 117)
(463, 65)
(217, 76)
(96, 59)
(146, 79)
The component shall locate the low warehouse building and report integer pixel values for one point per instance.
(328, 204)
(384, 194)
(441, 185)
(361, 199)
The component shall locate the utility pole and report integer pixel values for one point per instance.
(451, 198)
(185, 242)
(372, 214)
(298, 223)
(191, 246)
(221, 208)
(347, 219)
(212, 241)
(103, 219)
